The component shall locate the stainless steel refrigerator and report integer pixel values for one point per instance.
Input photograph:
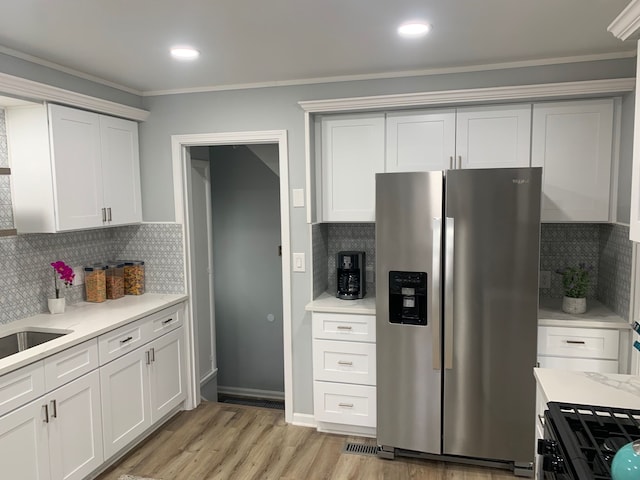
(457, 257)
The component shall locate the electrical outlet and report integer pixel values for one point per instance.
(545, 279)
(79, 272)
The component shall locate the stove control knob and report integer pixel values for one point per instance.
(546, 447)
(552, 463)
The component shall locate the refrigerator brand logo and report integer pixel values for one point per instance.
(520, 181)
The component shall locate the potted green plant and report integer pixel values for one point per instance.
(575, 281)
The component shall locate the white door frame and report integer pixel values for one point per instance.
(212, 364)
(181, 170)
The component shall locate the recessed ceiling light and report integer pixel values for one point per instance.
(413, 29)
(184, 53)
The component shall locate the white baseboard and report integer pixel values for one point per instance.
(304, 420)
(251, 392)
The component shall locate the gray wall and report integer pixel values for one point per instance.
(247, 270)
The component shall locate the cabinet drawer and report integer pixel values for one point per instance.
(340, 326)
(21, 386)
(578, 342)
(346, 404)
(349, 362)
(70, 364)
(579, 364)
(123, 340)
(164, 321)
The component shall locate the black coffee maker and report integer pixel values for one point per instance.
(351, 277)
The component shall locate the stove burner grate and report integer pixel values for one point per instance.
(591, 435)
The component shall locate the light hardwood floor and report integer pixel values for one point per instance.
(225, 442)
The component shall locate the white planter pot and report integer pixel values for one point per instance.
(56, 305)
(574, 305)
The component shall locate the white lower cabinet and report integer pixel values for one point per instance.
(344, 373)
(140, 388)
(58, 436)
(581, 349)
(125, 400)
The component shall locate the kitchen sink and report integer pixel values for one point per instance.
(19, 341)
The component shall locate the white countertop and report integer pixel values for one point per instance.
(589, 388)
(331, 304)
(83, 321)
(597, 316)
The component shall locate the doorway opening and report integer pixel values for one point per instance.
(243, 348)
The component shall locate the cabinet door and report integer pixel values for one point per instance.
(352, 153)
(167, 372)
(573, 142)
(77, 180)
(24, 444)
(420, 141)
(493, 137)
(120, 170)
(125, 400)
(75, 428)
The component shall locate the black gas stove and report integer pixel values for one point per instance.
(581, 440)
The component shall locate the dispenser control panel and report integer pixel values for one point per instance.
(408, 297)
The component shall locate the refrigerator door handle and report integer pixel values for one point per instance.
(448, 293)
(436, 278)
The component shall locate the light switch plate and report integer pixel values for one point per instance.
(298, 197)
(298, 262)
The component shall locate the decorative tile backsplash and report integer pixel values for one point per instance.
(352, 236)
(614, 279)
(567, 245)
(320, 236)
(27, 278)
(605, 247)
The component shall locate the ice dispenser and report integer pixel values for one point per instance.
(408, 297)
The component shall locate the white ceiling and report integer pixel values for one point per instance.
(246, 42)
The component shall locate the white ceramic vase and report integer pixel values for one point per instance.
(574, 305)
(56, 305)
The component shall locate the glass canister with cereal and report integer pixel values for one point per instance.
(115, 280)
(133, 277)
(95, 282)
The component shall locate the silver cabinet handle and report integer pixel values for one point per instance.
(104, 214)
(435, 300)
(450, 163)
(347, 405)
(165, 322)
(448, 293)
(54, 409)
(575, 342)
(147, 354)
(541, 419)
(459, 161)
(153, 354)
(46, 413)
(128, 339)
(344, 362)
(344, 327)
(109, 214)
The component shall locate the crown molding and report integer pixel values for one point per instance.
(28, 89)
(626, 24)
(473, 95)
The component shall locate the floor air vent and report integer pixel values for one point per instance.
(360, 449)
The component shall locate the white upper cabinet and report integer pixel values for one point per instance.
(421, 140)
(352, 153)
(493, 137)
(120, 170)
(72, 169)
(572, 141)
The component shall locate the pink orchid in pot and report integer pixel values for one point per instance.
(64, 273)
